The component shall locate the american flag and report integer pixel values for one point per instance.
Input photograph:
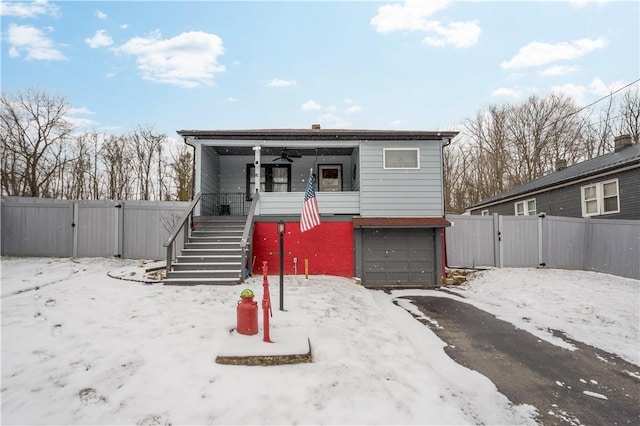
(310, 217)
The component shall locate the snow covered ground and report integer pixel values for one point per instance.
(80, 347)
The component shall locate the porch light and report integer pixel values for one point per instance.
(281, 227)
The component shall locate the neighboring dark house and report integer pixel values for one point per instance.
(606, 187)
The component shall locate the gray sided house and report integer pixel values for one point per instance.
(606, 187)
(379, 192)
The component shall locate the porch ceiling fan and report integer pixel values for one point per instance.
(286, 156)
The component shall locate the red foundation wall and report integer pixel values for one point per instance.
(329, 248)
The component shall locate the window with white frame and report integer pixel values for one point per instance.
(401, 158)
(525, 207)
(600, 198)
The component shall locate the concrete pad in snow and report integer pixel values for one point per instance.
(289, 346)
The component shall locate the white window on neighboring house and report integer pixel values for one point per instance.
(525, 207)
(600, 198)
(401, 158)
(485, 212)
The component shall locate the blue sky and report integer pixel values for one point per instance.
(418, 65)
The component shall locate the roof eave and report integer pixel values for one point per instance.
(313, 134)
(557, 184)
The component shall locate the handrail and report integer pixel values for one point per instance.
(244, 241)
(176, 230)
(185, 216)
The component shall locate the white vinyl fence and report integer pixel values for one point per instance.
(68, 228)
(603, 245)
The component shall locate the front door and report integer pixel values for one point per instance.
(273, 178)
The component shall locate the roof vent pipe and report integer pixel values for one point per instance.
(315, 127)
(621, 142)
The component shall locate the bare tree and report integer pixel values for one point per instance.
(489, 131)
(182, 167)
(630, 115)
(78, 184)
(117, 158)
(34, 131)
(147, 146)
(598, 136)
(508, 145)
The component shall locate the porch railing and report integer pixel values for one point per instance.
(184, 225)
(234, 204)
(247, 235)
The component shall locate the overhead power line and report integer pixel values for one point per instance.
(591, 104)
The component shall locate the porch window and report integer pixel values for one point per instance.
(526, 207)
(401, 158)
(273, 178)
(600, 198)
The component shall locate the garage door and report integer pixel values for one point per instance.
(398, 256)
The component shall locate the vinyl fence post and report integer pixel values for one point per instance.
(74, 229)
(497, 240)
(586, 253)
(541, 217)
(120, 231)
(501, 241)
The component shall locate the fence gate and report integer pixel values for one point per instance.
(97, 230)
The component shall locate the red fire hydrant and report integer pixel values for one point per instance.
(247, 313)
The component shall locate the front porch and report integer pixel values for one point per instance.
(278, 203)
(229, 172)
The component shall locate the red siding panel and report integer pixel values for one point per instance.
(329, 248)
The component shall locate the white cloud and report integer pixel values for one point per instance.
(231, 99)
(599, 87)
(506, 92)
(353, 108)
(30, 41)
(276, 82)
(80, 122)
(457, 34)
(397, 123)
(124, 26)
(310, 105)
(348, 101)
(407, 16)
(537, 54)
(580, 3)
(188, 60)
(412, 16)
(575, 91)
(81, 110)
(100, 39)
(100, 14)
(331, 108)
(28, 10)
(558, 70)
(333, 121)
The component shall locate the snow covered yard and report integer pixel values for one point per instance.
(84, 348)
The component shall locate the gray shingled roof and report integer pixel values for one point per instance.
(615, 160)
(318, 134)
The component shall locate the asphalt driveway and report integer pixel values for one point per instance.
(586, 386)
